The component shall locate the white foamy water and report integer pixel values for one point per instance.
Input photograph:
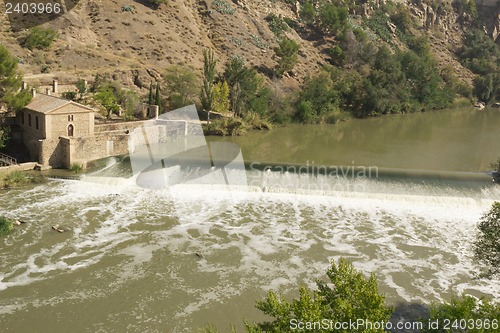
(204, 248)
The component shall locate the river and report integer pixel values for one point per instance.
(175, 259)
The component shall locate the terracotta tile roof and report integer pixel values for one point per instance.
(46, 103)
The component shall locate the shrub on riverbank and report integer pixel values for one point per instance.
(6, 226)
(12, 179)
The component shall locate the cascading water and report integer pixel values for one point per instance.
(175, 257)
(197, 249)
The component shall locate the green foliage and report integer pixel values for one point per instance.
(10, 82)
(4, 136)
(307, 12)
(256, 121)
(333, 19)
(487, 244)
(479, 53)
(81, 87)
(107, 96)
(258, 41)
(223, 7)
(71, 95)
(128, 8)
(378, 24)
(6, 226)
(158, 97)
(482, 56)
(226, 126)
(402, 18)
(75, 167)
(287, 52)
(470, 6)
(129, 101)
(465, 314)
(157, 3)
(318, 99)
(220, 97)
(244, 85)
(347, 295)
(209, 63)
(17, 178)
(277, 24)
(181, 86)
(151, 99)
(484, 87)
(496, 165)
(40, 38)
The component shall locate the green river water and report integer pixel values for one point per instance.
(173, 260)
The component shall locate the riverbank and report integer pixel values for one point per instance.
(12, 177)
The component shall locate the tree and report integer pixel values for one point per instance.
(333, 19)
(244, 84)
(487, 244)
(106, 95)
(208, 80)
(477, 315)
(150, 97)
(220, 97)
(10, 83)
(158, 96)
(129, 100)
(4, 136)
(81, 86)
(40, 38)
(307, 12)
(181, 85)
(287, 52)
(484, 87)
(348, 295)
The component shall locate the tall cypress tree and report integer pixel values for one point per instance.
(157, 96)
(150, 99)
(208, 79)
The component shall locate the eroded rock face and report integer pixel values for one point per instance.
(489, 13)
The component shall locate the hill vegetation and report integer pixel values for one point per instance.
(277, 61)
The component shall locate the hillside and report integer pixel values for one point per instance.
(136, 42)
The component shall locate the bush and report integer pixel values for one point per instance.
(287, 52)
(15, 178)
(277, 24)
(223, 7)
(71, 95)
(333, 19)
(478, 315)
(40, 38)
(496, 165)
(75, 167)
(255, 121)
(226, 126)
(6, 226)
(487, 244)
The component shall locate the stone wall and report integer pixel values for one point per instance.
(83, 122)
(84, 150)
(55, 152)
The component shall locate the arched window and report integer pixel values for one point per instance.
(22, 117)
(29, 119)
(70, 130)
(36, 122)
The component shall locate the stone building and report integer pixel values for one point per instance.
(47, 120)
